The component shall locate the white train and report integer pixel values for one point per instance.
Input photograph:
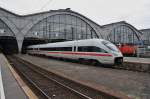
(93, 50)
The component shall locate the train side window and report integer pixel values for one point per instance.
(57, 49)
(90, 49)
(67, 49)
(81, 49)
(97, 49)
(84, 49)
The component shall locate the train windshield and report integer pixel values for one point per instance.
(110, 46)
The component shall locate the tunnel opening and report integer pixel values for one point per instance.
(31, 41)
(8, 45)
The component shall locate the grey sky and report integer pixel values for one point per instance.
(135, 12)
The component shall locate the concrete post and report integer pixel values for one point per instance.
(19, 38)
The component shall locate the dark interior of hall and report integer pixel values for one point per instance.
(33, 41)
(8, 45)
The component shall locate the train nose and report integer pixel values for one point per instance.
(118, 60)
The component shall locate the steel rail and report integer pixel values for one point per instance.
(71, 89)
(33, 83)
(83, 96)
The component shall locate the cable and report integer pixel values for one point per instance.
(49, 1)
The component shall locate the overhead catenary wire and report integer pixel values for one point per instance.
(48, 2)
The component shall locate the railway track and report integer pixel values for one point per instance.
(52, 86)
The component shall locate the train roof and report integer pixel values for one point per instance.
(68, 43)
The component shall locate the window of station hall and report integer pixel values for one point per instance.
(5, 30)
(62, 26)
(123, 34)
(147, 34)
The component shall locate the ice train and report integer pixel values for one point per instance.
(91, 50)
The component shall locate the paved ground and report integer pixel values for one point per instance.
(133, 84)
(2, 94)
(135, 59)
(11, 88)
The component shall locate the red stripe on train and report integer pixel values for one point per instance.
(81, 53)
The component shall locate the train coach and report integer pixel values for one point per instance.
(91, 50)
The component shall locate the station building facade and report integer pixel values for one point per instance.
(146, 36)
(62, 24)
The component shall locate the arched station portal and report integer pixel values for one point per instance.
(123, 35)
(60, 27)
(8, 42)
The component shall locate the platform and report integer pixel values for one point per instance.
(135, 64)
(9, 87)
(137, 60)
(132, 84)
